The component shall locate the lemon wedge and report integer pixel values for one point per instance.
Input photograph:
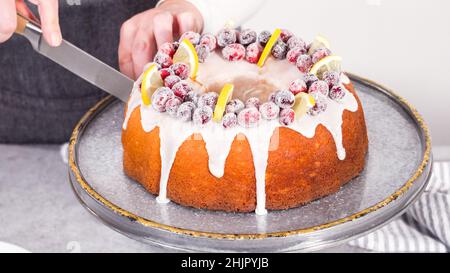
(268, 48)
(187, 54)
(303, 102)
(318, 42)
(151, 80)
(329, 63)
(224, 97)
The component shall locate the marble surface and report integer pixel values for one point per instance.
(40, 213)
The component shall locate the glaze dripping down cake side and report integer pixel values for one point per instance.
(239, 136)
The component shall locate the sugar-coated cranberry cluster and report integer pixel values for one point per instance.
(179, 99)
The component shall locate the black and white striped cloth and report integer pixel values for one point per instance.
(425, 227)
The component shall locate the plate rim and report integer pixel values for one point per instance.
(97, 108)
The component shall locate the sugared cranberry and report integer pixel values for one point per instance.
(185, 111)
(279, 50)
(171, 80)
(249, 117)
(202, 52)
(226, 37)
(294, 42)
(234, 106)
(287, 116)
(320, 53)
(310, 79)
(181, 70)
(163, 60)
(332, 78)
(233, 52)
(247, 36)
(284, 99)
(269, 110)
(209, 99)
(229, 120)
(181, 89)
(160, 98)
(192, 97)
(272, 96)
(304, 63)
(319, 88)
(192, 36)
(167, 48)
(297, 86)
(337, 93)
(253, 52)
(209, 40)
(318, 108)
(293, 54)
(172, 106)
(264, 37)
(165, 72)
(285, 35)
(202, 115)
(252, 102)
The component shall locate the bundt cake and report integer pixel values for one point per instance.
(243, 122)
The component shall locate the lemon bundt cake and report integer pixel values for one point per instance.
(242, 122)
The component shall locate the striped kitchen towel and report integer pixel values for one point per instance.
(424, 227)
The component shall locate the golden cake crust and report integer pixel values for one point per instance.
(300, 170)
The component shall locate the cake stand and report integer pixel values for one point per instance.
(397, 171)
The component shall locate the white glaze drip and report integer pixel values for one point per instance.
(218, 140)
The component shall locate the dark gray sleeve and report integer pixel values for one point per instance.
(41, 102)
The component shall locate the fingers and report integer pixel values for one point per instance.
(127, 34)
(144, 48)
(162, 28)
(186, 22)
(48, 11)
(8, 20)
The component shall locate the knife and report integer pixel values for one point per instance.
(77, 61)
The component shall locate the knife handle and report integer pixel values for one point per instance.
(21, 24)
(29, 29)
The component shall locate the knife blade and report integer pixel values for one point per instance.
(78, 61)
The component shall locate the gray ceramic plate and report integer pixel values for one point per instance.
(398, 168)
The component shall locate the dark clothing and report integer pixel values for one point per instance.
(40, 102)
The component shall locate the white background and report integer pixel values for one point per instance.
(404, 45)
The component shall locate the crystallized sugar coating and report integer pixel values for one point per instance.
(297, 86)
(247, 36)
(249, 117)
(264, 37)
(285, 35)
(229, 120)
(160, 98)
(269, 110)
(293, 54)
(226, 37)
(172, 106)
(294, 42)
(279, 50)
(252, 102)
(234, 106)
(202, 115)
(163, 60)
(319, 107)
(332, 78)
(165, 72)
(185, 111)
(310, 79)
(320, 53)
(181, 89)
(284, 99)
(287, 116)
(192, 96)
(167, 48)
(202, 52)
(253, 52)
(182, 70)
(209, 40)
(171, 80)
(233, 52)
(319, 88)
(192, 36)
(304, 63)
(337, 93)
(208, 99)
(273, 95)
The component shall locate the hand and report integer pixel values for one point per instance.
(141, 35)
(48, 11)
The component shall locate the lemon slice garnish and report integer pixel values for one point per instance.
(268, 48)
(303, 102)
(329, 63)
(318, 42)
(224, 97)
(151, 80)
(187, 54)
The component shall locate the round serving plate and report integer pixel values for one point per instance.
(397, 171)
